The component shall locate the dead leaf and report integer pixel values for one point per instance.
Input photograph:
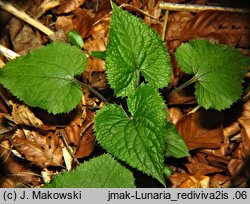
(45, 5)
(42, 150)
(218, 161)
(231, 130)
(198, 168)
(181, 98)
(225, 27)
(69, 6)
(219, 181)
(87, 140)
(78, 135)
(22, 115)
(244, 120)
(202, 129)
(83, 21)
(175, 115)
(245, 137)
(14, 173)
(182, 180)
(64, 23)
(176, 23)
(22, 36)
(234, 166)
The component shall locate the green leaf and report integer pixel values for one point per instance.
(98, 54)
(168, 171)
(45, 77)
(75, 38)
(101, 172)
(218, 71)
(137, 139)
(134, 49)
(175, 145)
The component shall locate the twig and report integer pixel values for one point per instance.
(9, 54)
(198, 8)
(68, 147)
(194, 110)
(22, 15)
(165, 25)
(137, 9)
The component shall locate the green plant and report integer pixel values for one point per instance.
(137, 65)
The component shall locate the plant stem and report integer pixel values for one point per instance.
(83, 85)
(182, 86)
(165, 25)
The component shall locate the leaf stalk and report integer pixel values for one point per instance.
(182, 86)
(83, 85)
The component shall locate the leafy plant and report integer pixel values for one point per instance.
(137, 64)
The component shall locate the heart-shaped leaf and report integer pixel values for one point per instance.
(133, 49)
(138, 138)
(218, 70)
(101, 172)
(45, 77)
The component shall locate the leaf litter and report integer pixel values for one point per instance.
(218, 147)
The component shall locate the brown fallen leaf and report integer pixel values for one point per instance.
(14, 172)
(234, 166)
(245, 137)
(224, 150)
(86, 143)
(182, 180)
(218, 161)
(22, 115)
(64, 23)
(176, 23)
(225, 27)
(198, 168)
(231, 130)
(78, 135)
(83, 21)
(180, 98)
(80, 20)
(175, 115)
(219, 181)
(42, 150)
(244, 121)
(69, 6)
(202, 129)
(22, 37)
(238, 174)
(44, 6)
